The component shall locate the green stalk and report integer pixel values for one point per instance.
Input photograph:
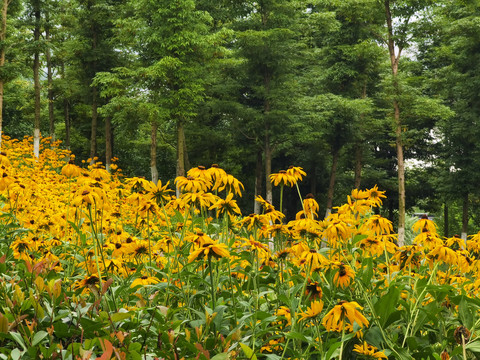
(341, 346)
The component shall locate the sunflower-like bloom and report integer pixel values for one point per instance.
(344, 276)
(200, 172)
(336, 229)
(216, 174)
(5, 180)
(191, 184)
(88, 196)
(359, 194)
(71, 170)
(428, 239)
(137, 184)
(144, 281)
(311, 207)
(313, 290)
(378, 225)
(424, 224)
(444, 254)
(199, 238)
(375, 196)
(455, 243)
(369, 350)
(297, 172)
(265, 204)
(209, 249)
(228, 206)
(146, 207)
(159, 193)
(313, 259)
(313, 311)
(335, 318)
(230, 184)
(283, 178)
(284, 311)
(200, 199)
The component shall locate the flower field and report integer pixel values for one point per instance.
(94, 265)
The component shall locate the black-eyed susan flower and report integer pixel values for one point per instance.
(313, 310)
(200, 172)
(283, 178)
(159, 193)
(209, 249)
(228, 206)
(335, 319)
(296, 172)
(376, 196)
(344, 276)
(144, 281)
(284, 312)
(230, 184)
(369, 350)
(191, 184)
(313, 259)
(313, 290)
(424, 224)
(71, 170)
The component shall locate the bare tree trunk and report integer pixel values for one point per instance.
(445, 220)
(108, 143)
(180, 152)
(331, 186)
(153, 152)
(51, 115)
(258, 181)
(66, 116)
(93, 137)
(3, 36)
(394, 60)
(268, 169)
(36, 82)
(465, 217)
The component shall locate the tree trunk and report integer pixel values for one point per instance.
(331, 186)
(66, 117)
(445, 220)
(3, 36)
(258, 181)
(153, 152)
(180, 152)
(268, 169)
(394, 60)
(36, 82)
(93, 137)
(465, 217)
(358, 165)
(51, 115)
(108, 143)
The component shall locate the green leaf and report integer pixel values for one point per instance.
(387, 304)
(222, 356)
(474, 346)
(39, 336)
(18, 338)
(298, 336)
(120, 316)
(16, 354)
(248, 352)
(466, 316)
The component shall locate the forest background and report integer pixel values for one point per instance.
(357, 93)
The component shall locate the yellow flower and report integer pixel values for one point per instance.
(199, 199)
(344, 276)
(424, 224)
(297, 172)
(313, 259)
(71, 170)
(369, 350)
(158, 193)
(285, 312)
(377, 225)
(335, 318)
(191, 184)
(311, 207)
(209, 249)
(144, 281)
(376, 196)
(283, 178)
(313, 311)
(231, 184)
(200, 172)
(228, 206)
